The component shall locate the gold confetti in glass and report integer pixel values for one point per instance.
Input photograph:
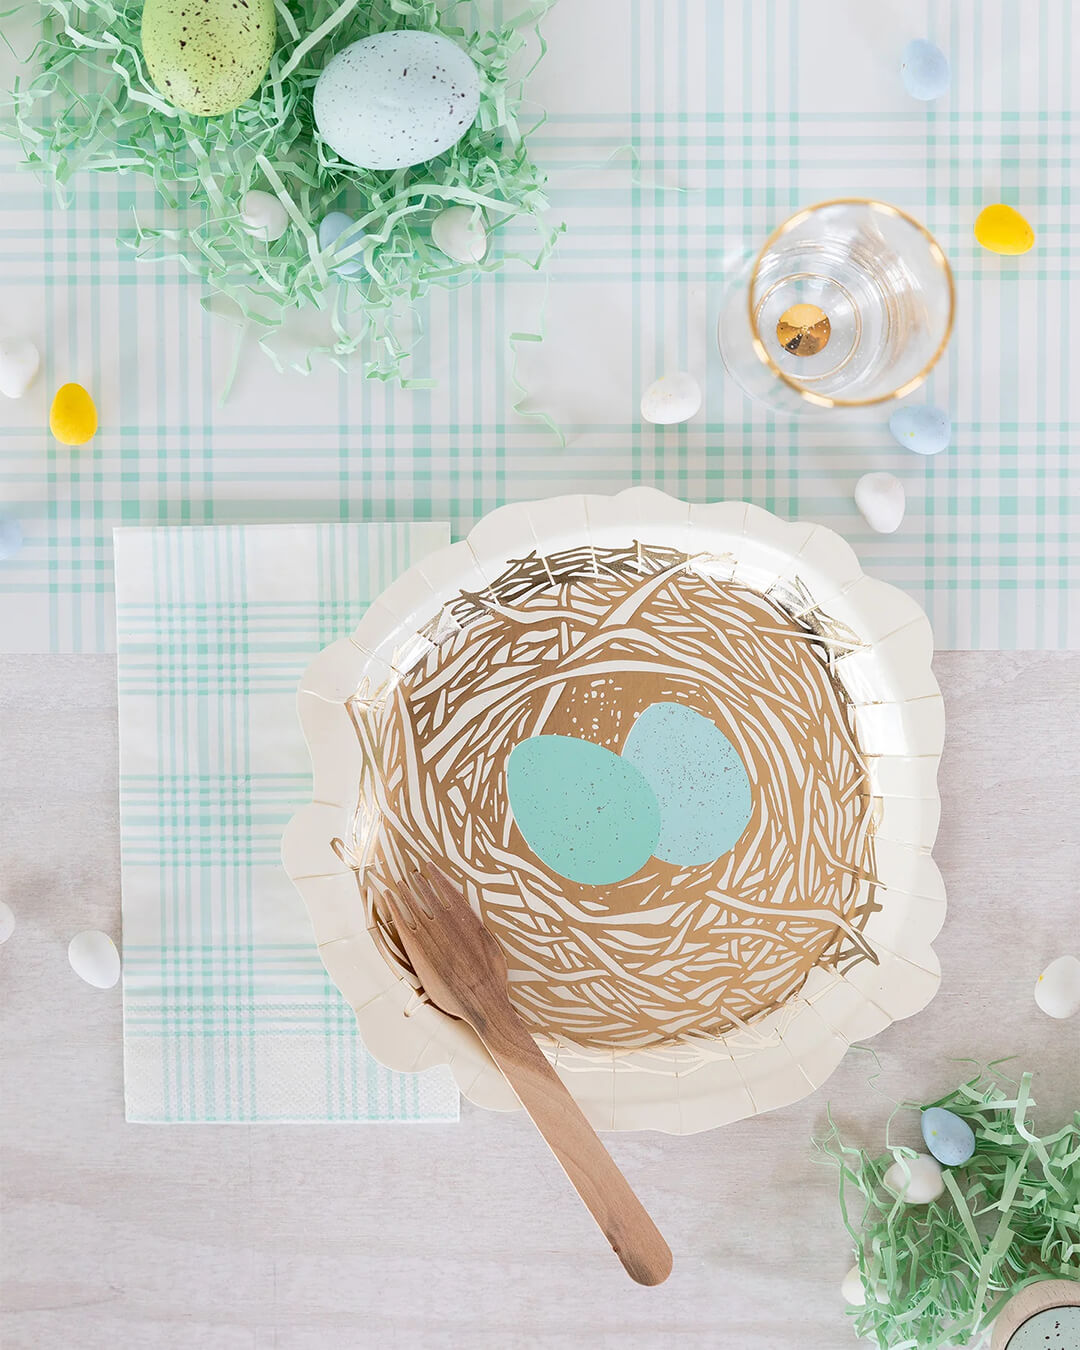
(849, 303)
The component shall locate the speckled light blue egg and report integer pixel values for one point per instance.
(338, 228)
(1051, 1329)
(699, 779)
(587, 814)
(948, 1137)
(11, 537)
(925, 430)
(396, 99)
(924, 69)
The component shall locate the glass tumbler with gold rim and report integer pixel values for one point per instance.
(849, 303)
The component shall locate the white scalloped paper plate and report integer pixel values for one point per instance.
(899, 723)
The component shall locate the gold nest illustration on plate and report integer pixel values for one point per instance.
(680, 759)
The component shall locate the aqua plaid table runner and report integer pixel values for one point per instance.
(738, 112)
(228, 1012)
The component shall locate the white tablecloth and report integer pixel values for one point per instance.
(737, 113)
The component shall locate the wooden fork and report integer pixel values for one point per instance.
(463, 971)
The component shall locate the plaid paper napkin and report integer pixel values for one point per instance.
(228, 1013)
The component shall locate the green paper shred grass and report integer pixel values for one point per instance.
(89, 105)
(937, 1275)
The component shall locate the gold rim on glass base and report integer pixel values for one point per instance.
(856, 297)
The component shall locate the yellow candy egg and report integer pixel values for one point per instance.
(1003, 230)
(73, 417)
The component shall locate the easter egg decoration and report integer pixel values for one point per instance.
(587, 814)
(19, 364)
(460, 233)
(263, 215)
(338, 230)
(851, 1289)
(1001, 229)
(699, 781)
(917, 1181)
(1042, 1316)
(94, 958)
(924, 70)
(72, 417)
(671, 399)
(208, 56)
(396, 99)
(1057, 990)
(1055, 1328)
(925, 430)
(948, 1136)
(11, 537)
(882, 500)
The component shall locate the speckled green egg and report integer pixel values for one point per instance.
(208, 56)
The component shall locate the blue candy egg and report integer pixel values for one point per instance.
(924, 69)
(11, 537)
(584, 812)
(927, 431)
(699, 779)
(336, 228)
(948, 1137)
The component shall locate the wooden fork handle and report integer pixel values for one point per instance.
(623, 1219)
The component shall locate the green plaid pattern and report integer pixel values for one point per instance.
(228, 1012)
(739, 112)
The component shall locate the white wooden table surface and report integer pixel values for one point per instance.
(236, 1238)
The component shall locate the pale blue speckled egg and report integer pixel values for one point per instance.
(924, 69)
(925, 430)
(1051, 1329)
(396, 99)
(948, 1136)
(699, 779)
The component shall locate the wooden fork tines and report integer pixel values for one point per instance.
(463, 971)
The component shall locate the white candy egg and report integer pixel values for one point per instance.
(851, 1288)
(7, 921)
(917, 1180)
(1057, 990)
(852, 1291)
(396, 99)
(671, 399)
(263, 215)
(882, 500)
(460, 233)
(94, 958)
(20, 361)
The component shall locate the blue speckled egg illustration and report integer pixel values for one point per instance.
(699, 780)
(927, 431)
(924, 69)
(396, 99)
(584, 812)
(948, 1136)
